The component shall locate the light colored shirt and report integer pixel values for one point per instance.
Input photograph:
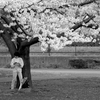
(17, 60)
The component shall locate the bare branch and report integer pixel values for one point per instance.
(86, 3)
(80, 24)
(93, 26)
(19, 25)
(33, 4)
(51, 9)
(7, 38)
(13, 28)
(27, 43)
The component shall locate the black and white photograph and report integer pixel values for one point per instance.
(49, 49)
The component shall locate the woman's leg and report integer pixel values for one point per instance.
(20, 78)
(14, 79)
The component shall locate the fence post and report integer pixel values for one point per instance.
(49, 49)
(75, 50)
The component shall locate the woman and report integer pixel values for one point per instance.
(17, 64)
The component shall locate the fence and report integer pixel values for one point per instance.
(55, 59)
(67, 51)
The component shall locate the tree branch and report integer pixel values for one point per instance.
(65, 5)
(19, 25)
(86, 3)
(93, 26)
(7, 38)
(51, 9)
(80, 24)
(27, 43)
(7, 22)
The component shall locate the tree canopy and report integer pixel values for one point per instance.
(55, 22)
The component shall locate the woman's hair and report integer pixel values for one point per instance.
(17, 54)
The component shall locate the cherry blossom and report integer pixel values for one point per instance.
(52, 18)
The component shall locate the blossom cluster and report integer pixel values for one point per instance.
(51, 21)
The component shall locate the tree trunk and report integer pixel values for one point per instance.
(25, 55)
(9, 43)
(26, 69)
(24, 49)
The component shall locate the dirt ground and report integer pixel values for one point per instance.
(55, 89)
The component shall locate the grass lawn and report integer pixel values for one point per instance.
(56, 89)
(53, 89)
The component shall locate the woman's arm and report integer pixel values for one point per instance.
(21, 62)
(12, 63)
